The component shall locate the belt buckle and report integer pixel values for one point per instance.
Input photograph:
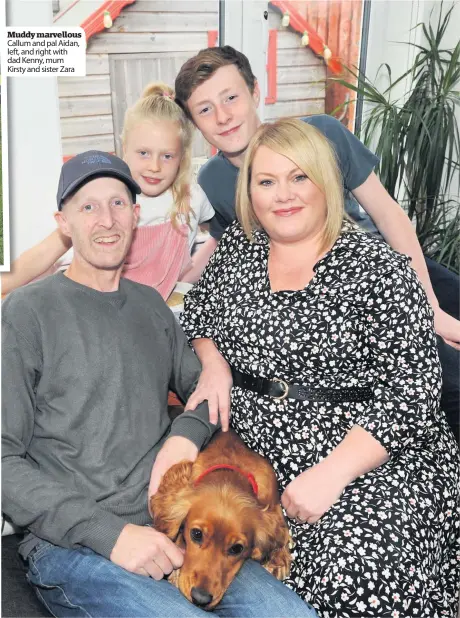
(286, 389)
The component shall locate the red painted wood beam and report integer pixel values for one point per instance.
(95, 22)
(212, 38)
(272, 68)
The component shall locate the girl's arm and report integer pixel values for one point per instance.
(398, 231)
(35, 261)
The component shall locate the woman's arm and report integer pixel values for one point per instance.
(314, 491)
(215, 383)
(406, 373)
(202, 308)
(398, 231)
(35, 261)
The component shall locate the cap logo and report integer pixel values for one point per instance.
(96, 158)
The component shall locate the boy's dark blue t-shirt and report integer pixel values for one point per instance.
(218, 176)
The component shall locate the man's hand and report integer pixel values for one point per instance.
(214, 385)
(146, 551)
(447, 327)
(312, 493)
(174, 450)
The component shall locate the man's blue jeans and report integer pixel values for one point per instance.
(80, 582)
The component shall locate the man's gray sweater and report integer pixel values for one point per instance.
(85, 380)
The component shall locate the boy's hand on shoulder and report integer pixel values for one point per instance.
(145, 551)
(447, 327)
(174, 450)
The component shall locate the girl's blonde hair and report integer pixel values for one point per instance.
(157, 102)
(307, 147)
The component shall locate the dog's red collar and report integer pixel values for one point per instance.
(248, 475)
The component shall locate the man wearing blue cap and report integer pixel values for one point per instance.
(88, 359)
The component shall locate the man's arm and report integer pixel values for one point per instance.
(398, 231)
(192, 429)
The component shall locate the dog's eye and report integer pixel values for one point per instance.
(196, 535)
(235, 550)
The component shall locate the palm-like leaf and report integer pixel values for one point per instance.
(417, 138)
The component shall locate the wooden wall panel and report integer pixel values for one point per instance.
(75, 145)
(297, 57)
(301, 92)
(97, 64)
(130, 74)
(173, 6)
(165, 22)
(84, 86)
(338, 22)
(142, 42)
(301, 75)
(70, 107)
(87, 125)
(294, 108)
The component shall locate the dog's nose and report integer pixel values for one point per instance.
(201, 597)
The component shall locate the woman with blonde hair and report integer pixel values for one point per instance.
(157, 146)
(327, 340)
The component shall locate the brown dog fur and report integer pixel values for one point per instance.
(228, 516)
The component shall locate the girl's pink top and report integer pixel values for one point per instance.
(158, 255)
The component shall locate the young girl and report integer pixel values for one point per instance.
(157, 146)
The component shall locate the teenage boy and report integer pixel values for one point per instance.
(88, 359)
(220, 93)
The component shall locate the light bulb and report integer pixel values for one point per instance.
(305, 39)
(285, 20)
(108, 23)
(327, 53)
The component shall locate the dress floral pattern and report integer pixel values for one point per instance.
(390, 545)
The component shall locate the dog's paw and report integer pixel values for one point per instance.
(173, 578)
(279, 563)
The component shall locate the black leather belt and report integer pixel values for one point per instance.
(279, 389)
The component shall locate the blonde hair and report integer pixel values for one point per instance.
(307, 147)
(157, 102)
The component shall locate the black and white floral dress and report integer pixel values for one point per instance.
(390, 545)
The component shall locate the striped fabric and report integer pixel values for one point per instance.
(158, 256)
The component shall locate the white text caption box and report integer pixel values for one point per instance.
(41, 52)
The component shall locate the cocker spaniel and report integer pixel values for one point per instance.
(221, 509)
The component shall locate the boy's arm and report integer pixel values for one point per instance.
(199, 260)
(35, 261)
(396, 228)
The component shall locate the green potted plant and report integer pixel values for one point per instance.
(417, 139)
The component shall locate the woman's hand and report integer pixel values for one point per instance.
(214, 385)
(447, 327)
(312, 493)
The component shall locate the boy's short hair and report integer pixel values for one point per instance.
(201, 67)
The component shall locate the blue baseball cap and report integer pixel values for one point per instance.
(89, 165)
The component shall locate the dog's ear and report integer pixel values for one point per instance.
(172, 501)
(271, 533)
